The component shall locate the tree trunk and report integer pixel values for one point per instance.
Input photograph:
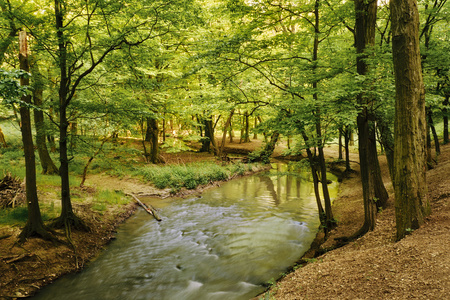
(34, 225)
(329, 219)
(387, 140)
(340, 156)
(209, 140)
(366, 12)
(264, 154)
(314, 171)
(246, 137)
(433, 132)
(224, 135)
(2, 139)
(153, 132)
(316, 180)
(67, 216)
(411, 204)
(83, 177)
(47, 164)
(445, 119)
(430, 161)
(380, 192)
(347, 134)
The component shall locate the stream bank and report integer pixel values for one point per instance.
(375, 266)
(27, 268)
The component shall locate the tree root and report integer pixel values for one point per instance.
(70, 220)
(40, 231)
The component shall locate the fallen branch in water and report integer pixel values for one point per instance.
(151, 210)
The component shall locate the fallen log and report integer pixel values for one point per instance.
(151, 210)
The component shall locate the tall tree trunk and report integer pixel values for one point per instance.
(411, 204)
(329, 219)
(445, 118)
(387, 140)
(340, 156)
(224, 135)
(2, 139)
(34, 225)
(246, 137)
(255, 135)
(347, 134)
(47, 164)
(433, 131)
(152, 134)
(209, 141)
(313, 165)
(366, 12)
(163, 133)
(430, 161)
(380, 192)
(67, 216)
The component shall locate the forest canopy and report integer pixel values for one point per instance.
(313, 72)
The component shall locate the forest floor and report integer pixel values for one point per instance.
(375, 266)
(372, 267)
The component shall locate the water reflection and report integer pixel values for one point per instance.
(223, 245)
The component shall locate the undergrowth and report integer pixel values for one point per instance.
(189, 176)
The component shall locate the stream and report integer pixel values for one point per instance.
(225, 244)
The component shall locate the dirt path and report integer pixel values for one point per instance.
(375, 266)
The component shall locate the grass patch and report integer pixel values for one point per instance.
(112, 197)
(18, 216)
(106, 198)
(189, 176)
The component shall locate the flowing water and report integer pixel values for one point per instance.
(223, 245)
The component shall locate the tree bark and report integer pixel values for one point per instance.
(387, 140)
(314, 171)
(209, 141)
(347, 135)
(365, 14)
(151, 136)
(67, 217)
(47, 164)
(2, 139)
(445, 119)
(322, 167)
(245, 136)
(224, 135)
(433, 132)
(34, 225)
(380, 193)
(411, 204)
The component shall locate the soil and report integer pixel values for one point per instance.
(375, 266)
(372, 267)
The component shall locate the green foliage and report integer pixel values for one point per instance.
(10, 89)
(189, 176)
